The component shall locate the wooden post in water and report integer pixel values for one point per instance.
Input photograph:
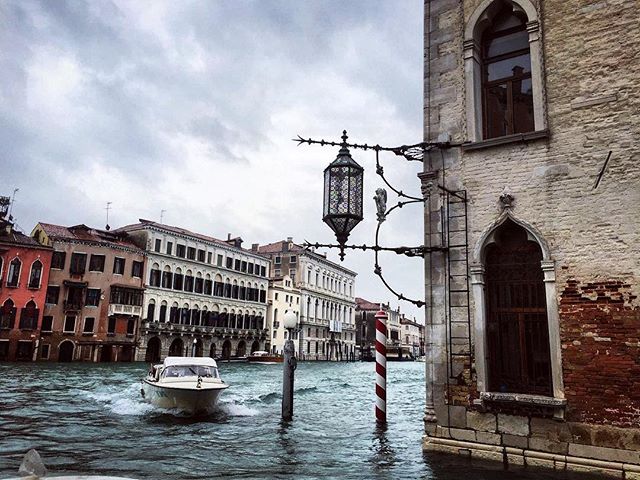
(381, 366)
(287, 379)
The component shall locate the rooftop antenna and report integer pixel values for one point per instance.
(162, 215)
(13, 199)
(107, 208)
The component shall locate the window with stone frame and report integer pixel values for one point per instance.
(13, 274)
(191, 253)
(69, 324)
(7, 315)
(96, 263)
(136, 269)
(506, 76)
(169, 249)
(503, 72)
(29, 316)
(78, 263)
(158, 245)
(201, 255)
(181, 251)
(57, 260)
(89, 324)
(118, 265)
(35, 275)
(47, 323)
(92, 297)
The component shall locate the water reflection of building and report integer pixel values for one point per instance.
(327, 324)
(24, 272)
(94, 294)
(204, 296)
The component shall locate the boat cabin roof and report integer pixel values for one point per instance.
(260, 353)
(202, 361)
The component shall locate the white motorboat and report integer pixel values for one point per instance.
(264, 358)
(189, 384)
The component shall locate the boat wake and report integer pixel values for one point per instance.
(130, 402)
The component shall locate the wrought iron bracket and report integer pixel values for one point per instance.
(415, 153)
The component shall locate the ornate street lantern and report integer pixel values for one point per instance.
(343, 194)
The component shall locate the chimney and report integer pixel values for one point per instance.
(289, 243)
(228, 237)
(254, 247)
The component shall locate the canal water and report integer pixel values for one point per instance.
(91, 419)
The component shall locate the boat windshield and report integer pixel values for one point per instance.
(191, 371)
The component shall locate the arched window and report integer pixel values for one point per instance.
(503, 71)
(29, 316)
(36, 274)
(151, 310)
(154, 275)
(162, 317)
(13, 275)
(7, 315)
(518, 353)
(166, 277)
(506, 76)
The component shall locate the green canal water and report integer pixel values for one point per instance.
(90, 419)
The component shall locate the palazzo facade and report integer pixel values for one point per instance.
(203, 297)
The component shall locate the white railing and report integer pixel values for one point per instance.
(119, 309)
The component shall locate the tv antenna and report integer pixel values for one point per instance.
(13, 199)
(162, 215)
(107, 208)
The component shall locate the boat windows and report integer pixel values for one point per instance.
(191, 371)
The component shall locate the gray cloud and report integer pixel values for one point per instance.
(190, 107)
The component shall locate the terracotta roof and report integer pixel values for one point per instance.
(278, 247)
(87, 234)
(363, 304)
(16, 237)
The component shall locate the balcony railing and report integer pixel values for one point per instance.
(119, 309)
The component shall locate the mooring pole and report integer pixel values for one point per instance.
(287, 378)
(381, 366)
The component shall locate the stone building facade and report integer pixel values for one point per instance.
(93, 299)
(203, 297)
(24, 273)
(327, 300)
(282, 297)
(534, 358)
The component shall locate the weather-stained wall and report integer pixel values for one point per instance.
(574, 184)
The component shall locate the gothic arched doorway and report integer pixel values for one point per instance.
(65, 351)
(517, 327)
(226, 350)
(153, 350)
(255, 346)
(241, 351)
(177, 348)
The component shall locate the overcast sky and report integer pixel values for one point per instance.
(189, 107)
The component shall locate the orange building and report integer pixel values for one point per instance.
(24, 274)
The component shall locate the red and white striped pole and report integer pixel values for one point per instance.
(381, 366)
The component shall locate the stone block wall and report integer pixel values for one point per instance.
(591, 101)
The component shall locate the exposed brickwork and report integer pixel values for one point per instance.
(600, 331)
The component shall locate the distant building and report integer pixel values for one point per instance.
(24, 272)
(204, 296)
(405, 338)
(412, 337)
(94, 294)
(282, 297)
(366, 328)
(327, 303)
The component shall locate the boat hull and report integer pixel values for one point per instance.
(189, 400)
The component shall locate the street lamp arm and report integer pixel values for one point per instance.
(413, 153)
(408, 251)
